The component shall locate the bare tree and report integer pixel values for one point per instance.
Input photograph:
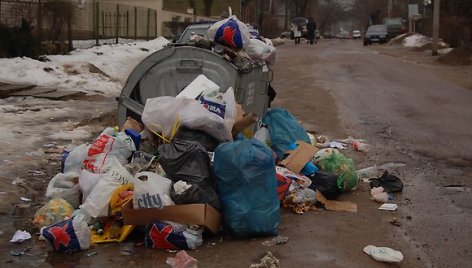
(327, 12)
(208, 5)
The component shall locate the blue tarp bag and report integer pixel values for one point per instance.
(247, 186)
(284, 129)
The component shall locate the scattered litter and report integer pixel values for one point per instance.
(91, 254)
(384, 254)
(20, 236)
(455, 187)
(378, 194)
(336, 145)
(2, 193)
(182, 260)
(26, 199)
(366, 174)
(390, 183)
(268, 261)
(36, 172)
(1, 232)
(278, 240)
(7, 161)
(17, 253)
(18, 181)
(335, 205)
(390, 207)
(395, 221)
(128, 250)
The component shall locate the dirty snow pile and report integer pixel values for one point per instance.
(98, 70)
(416, 40)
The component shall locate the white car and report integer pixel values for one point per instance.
(356, 34)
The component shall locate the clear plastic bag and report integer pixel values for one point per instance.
(64, 186)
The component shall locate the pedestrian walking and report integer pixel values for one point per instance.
(297, 33)
(311, 29)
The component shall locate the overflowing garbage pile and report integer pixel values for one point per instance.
(189, 165)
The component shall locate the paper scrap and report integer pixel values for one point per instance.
(387, 206)
(20, 236)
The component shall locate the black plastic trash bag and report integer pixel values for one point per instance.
(198, 193)
(189, 161)
(390, 183)
(201, 137)
(186, 160)
(326, 183)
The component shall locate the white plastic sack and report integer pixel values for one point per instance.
(161, 114)
(96, 204)
(384, 254)
(271, 56)
(74, 160)
(87, 181)
(64, 186)
(151, 191)
(109, 142)
(256, 49)
(230, 32)
(231, 111)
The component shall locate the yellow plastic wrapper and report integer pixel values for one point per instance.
(54, 211)
(120, 196)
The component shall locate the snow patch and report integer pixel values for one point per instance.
(80, 133)
(416, 40)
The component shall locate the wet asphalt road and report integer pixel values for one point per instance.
(409, 113)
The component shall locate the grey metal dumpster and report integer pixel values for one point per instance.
(168, 71)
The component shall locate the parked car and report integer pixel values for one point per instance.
(376, 34)
(356, 34)
(395, 26)
(201, 29)
(343, 35)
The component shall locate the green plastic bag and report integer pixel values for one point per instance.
(343, 167)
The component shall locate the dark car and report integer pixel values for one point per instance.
(376, 34)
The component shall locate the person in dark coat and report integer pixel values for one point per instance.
(311, 28)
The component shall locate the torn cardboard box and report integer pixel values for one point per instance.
(298, 158)
(335, 205)
(199, 214)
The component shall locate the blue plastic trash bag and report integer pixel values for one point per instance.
(229, 32)
(284, 129)
(247, 187)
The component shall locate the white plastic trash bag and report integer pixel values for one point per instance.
(73, 160)
(230, 32)
(87, 181)
(96, 204)
(256, 49)
(151, 191)
(64, 186)
(384, 254)
(109, 144)
(165, 114)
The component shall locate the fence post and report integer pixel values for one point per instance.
(69, 25)
(103, 24)
(148, 23)
(117, 24)
(40, 19)
(155, 23)
(127, 23)
(96, 26)
(135, 23)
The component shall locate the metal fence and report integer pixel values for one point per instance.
(50, 20)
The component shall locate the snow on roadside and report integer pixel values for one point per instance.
(416, 40)
(74, 71)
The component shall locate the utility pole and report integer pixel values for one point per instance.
(435, 27)
(389, 11)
